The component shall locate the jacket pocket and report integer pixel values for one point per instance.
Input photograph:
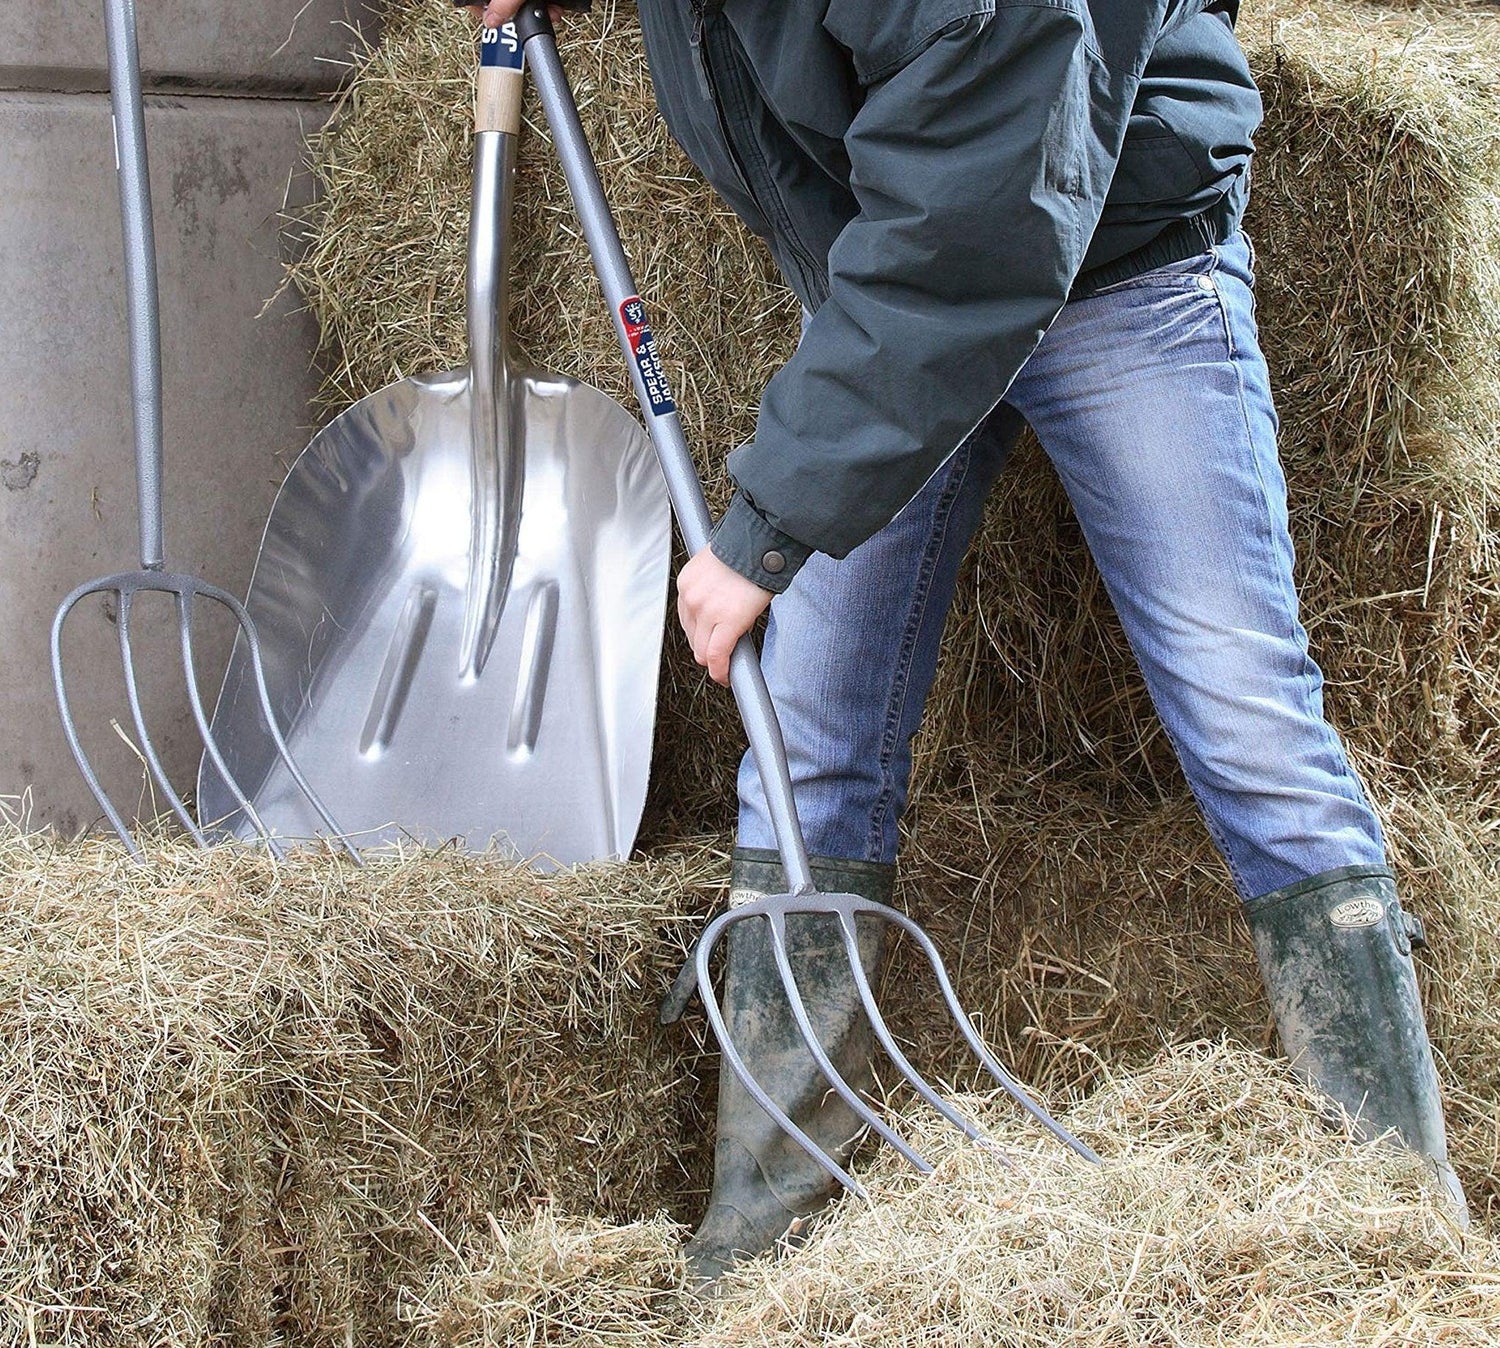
(880, 38)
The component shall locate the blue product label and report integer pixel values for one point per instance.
(500, 47)
(643, 350)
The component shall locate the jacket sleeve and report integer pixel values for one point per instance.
(979, 173)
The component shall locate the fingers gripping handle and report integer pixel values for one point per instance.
(634, 334)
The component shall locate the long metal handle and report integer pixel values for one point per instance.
(688, 504)
(142, 313)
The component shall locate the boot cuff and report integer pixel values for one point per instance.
(837, 875)
(1342, 875)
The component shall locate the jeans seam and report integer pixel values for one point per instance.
(1345, 769)
(1233, 350)
(901, 678)
(1267, 534)
(1216, 831)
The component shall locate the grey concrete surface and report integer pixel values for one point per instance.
(237, 382)
(275, 46)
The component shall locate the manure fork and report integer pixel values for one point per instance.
(145, 378)
(533, 27)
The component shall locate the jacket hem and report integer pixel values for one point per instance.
(1179, 241)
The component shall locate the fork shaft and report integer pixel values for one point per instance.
(142, 312)
(745, 676)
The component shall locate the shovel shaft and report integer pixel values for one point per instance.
(142, 315)
(497, 449)
(498, 85)
(745, 676)
(497, 452)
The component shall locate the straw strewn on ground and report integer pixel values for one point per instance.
(1226, 1213)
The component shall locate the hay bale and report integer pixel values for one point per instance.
(246, 1097)
(1384, 366)
(1389, 401)
(1374, 194)
(1226, 1212)
(538, 1278)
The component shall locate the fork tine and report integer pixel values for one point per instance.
(195, 700)
(268, 712)
(1011, 1086)
(70, 730)
(138, 716)
(731, 1054)
(914, 1078)
(814, 1047)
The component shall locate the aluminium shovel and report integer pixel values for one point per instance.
(461, 593)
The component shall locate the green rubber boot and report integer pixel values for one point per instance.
(765, 1185)
(1335, 954)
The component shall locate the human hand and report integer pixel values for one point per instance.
(716, 606)
(497, 12)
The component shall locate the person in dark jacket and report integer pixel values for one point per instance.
(1000, 213)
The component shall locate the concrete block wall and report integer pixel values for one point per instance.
(230, 97)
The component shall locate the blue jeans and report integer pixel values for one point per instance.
(1151, 399)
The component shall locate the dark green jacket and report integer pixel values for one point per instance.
(935, 178)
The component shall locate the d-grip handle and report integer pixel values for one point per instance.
(498, 88)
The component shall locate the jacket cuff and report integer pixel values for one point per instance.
(745, 542)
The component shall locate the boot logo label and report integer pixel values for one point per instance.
(1357, 913)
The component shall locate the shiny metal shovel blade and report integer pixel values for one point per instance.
(360, 597)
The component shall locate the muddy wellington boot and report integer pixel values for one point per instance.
(765, 1185)
(1335, 954)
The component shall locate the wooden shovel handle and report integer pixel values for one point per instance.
(497, 92)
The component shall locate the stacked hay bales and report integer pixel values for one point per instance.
(246, 1101)
(1053, 848)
